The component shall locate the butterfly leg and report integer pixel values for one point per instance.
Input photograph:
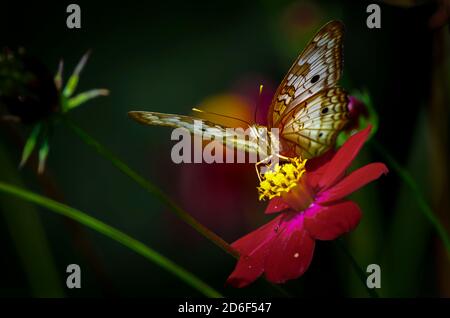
(283, 157)
(268, 159)
(258, 173)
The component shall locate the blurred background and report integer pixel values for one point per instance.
(171, 56)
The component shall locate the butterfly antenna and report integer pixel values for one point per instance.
(216, 114)
(258, 103)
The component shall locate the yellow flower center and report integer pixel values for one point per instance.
(281, 179)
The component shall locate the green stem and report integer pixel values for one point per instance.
(113, 233)
(186, 217)
(151, 188)
(361, 274)
(422, 202)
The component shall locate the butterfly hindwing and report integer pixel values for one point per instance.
(319, 66)
(313, 126)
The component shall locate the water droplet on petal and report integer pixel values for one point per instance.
(296, 255)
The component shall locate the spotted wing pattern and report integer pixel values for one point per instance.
(312, 127)
(308, 108)
(319, 66)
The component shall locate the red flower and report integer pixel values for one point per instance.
(312, 209)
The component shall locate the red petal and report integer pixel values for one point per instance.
(330, 222)
(276, 205)
(354, 181)
(317, 162)
(343, 158)
(316, 167)
(253, 249)
(290, 252)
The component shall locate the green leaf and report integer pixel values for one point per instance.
(72, 83)
(84, 97)
(30, 144)
(114, 234)
(43, 154)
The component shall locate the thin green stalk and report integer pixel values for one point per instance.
(114, 234)
(122, 166)
(154, 190)
(361, 274)
(422, 202)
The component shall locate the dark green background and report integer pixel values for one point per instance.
(169, 56)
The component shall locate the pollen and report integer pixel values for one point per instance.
(282, 178)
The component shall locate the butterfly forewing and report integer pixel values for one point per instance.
(319, 66)
(208, 130)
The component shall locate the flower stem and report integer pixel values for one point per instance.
(183, 215)
(361, 274)
(422, 202)
(160, 195)
(113, 233)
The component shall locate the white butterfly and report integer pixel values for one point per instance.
(308, 108)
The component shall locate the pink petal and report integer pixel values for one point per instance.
(343, 158)
(253, 249)
(290, 252)
(276, 205)
(354, 181)
(330, 222)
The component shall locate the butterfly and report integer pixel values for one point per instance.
(308, 108)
